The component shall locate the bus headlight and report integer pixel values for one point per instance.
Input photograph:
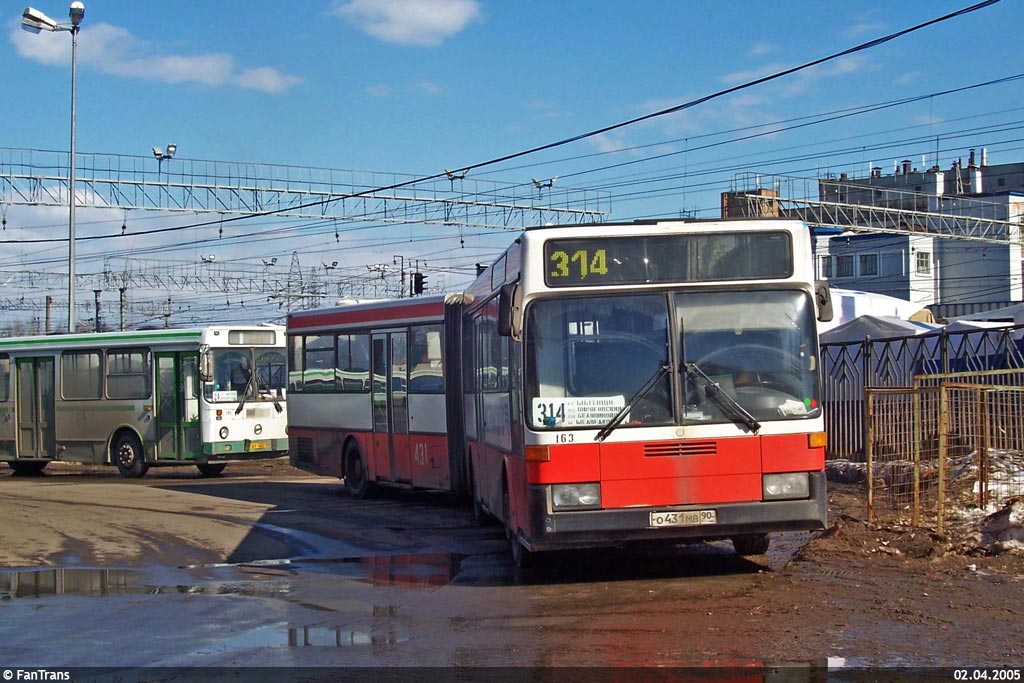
(576, 496)
(785, 486)
(223, 432)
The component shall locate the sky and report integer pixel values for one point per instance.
(414, 87)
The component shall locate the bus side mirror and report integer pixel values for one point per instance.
(508, 310)
(205, 365)
(823, 300)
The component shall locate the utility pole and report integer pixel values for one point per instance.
(294, 282)
(401, 286)
(96, 300)
(123, 305)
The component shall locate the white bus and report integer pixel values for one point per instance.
(202, 396)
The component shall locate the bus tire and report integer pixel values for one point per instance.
(478, 507)
(27, 469)
(751, 544)
(211, 469)
(129, 457)
(522, 558)
(357, 480)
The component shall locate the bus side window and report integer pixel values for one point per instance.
(426, 374)
(81, 375)
(296, 348)
(129, 373)
(319, 374)
(352, 367)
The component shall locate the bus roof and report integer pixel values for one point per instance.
(397, 311)
(186, 336)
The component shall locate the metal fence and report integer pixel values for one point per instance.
(951, 444)
(850, 367)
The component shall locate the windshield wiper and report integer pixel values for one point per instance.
(633, 400)
(714, 393)
(259, 385)
(263, 389)
(245, 394)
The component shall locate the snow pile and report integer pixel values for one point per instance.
(997, 528)
(1002, 531)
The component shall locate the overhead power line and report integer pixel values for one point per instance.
(461, 171)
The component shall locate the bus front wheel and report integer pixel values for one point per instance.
(521, 556)
(752, 544)
(211, 469)
(357, 479)
(129, 457)
(478, 507)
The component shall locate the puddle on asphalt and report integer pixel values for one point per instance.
(422, 570)
(414, 570)
(41, 583)
(429, 570)
(286, 635)
(325, 636)
(36, 583)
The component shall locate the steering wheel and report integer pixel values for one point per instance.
(748, 354)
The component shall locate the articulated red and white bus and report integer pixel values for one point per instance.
(597, 385)
(372, 381)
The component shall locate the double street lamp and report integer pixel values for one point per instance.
(35, 21)
(162, 156)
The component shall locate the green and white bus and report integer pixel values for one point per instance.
(201, 396)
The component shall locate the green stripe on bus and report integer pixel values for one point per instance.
(96, 408)
(58, 340)
(238, 447)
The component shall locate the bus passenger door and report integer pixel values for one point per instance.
(401, 457)
(390, 409)
(8, 427)
(177, 406)
(36, 402)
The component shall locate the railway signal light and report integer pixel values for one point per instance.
(419, 283)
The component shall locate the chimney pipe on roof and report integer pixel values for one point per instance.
(935, 182)
(975, 179)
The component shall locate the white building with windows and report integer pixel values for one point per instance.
(924, 269)
(949, 276)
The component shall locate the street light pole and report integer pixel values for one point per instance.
(71, 172)
(161, 156)
(35, 21)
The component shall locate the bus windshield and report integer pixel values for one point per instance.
(585, 357)
(232, 375)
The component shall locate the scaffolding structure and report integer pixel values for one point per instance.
(831, 202)
(185, 186)
(117, 181)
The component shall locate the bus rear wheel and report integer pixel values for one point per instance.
(129, 458)
(27, 469)
(211, 469)
(752, 544)
(357, 479)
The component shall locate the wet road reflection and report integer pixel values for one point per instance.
(408, 570)
(36, 583)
